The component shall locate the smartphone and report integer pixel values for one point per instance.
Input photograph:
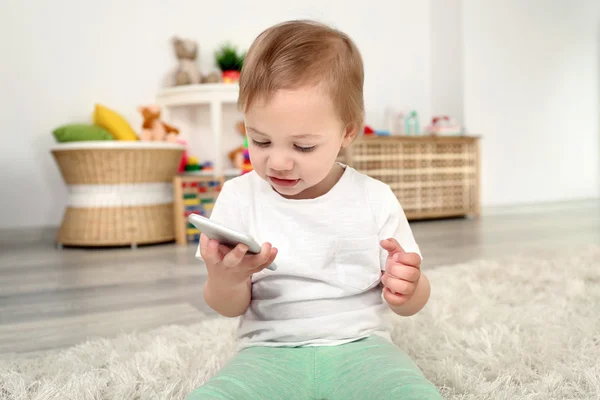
(225, 236)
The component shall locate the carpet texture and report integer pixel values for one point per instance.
(521, 328)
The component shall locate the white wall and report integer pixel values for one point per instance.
(60, 57)
(447, 59)
(531, 88)
(524, 74)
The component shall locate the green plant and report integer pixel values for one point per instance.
(228, 58)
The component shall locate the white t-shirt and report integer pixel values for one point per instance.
(326, 289)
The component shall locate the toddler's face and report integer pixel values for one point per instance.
(294, 140)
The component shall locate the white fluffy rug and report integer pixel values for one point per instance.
(523, 328)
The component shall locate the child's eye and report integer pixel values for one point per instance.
(304, 149)
(260, 144)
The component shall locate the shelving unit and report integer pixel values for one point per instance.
(193, 194)
(197, 191)
(432, 176)
(215, 96)
(205, 93)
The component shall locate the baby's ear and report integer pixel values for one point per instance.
(350, 133)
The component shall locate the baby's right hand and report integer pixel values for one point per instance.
(233, 266)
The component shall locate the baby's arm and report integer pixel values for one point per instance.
(226, 299)
(227, 289)
(417, 301)
(405, 288)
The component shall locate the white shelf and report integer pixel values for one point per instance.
(207, 93)
(215, 95)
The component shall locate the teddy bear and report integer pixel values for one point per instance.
(188, 73)
(213, 77)
(153, 129)
(186, 51)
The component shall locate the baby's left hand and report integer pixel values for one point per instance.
(402, 273)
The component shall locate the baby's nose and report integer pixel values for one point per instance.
(280, 162)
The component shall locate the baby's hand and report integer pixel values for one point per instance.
(233, 266)
(402, 273)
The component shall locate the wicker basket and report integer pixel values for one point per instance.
(431, 176)
(120, 193)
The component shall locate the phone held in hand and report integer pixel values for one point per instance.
(225, 235)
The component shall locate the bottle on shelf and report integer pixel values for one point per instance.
(412, 124)
(394, 121)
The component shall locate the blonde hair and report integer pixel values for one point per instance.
(297, 53)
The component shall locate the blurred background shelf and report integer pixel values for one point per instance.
(216, 96)
(206, 93)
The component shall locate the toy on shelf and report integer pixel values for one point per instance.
(368, 131)
(246, 165)
(207, 166)
(184, 161)
(187, 72)
(194, 166)
(153, 129)
(193, 194)
(239, 156)
(444, 125)
(397, 124)
(186, 52)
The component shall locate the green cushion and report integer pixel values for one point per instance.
(80, 132)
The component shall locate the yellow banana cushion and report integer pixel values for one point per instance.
(114, 123)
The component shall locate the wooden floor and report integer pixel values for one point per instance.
(53, 298)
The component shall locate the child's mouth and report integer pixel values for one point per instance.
(284, 182)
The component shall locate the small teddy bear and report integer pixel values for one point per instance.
(186, 51)
(153, 129)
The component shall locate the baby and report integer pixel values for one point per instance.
(312, 329)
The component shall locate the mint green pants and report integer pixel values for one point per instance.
(371, 368)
